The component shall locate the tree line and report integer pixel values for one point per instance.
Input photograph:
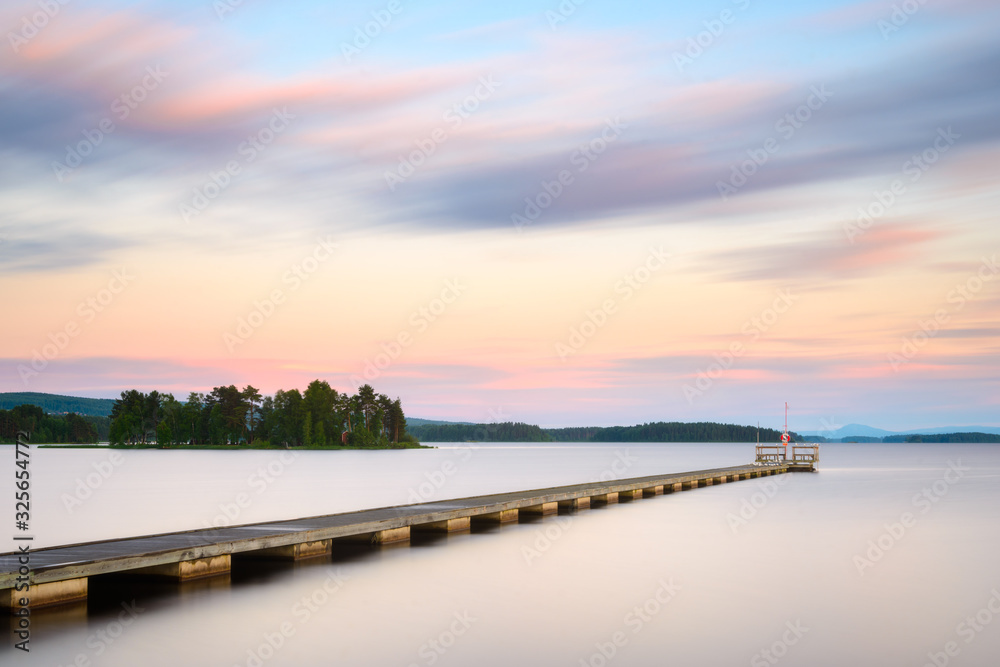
(653, 432)
(45, 428)
(670, 432)
(319, 417)
(973, 437)
(498, 432)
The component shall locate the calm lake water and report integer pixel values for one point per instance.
(890, 555)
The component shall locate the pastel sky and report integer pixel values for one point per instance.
(566, 214)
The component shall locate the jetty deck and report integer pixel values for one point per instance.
(59, 575)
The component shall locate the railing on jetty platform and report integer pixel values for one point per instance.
(770, 454)
(805, 454)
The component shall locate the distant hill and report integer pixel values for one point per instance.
(856, 430)
(416, 421)
(56, 404)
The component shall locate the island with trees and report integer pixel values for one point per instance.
(318, 418)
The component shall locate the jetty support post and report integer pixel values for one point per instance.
(503, 516)
(542, 509)
(574, 504)
(378, 537)
(445, 526)
(298, 551)
(44, 594)
(186, 570)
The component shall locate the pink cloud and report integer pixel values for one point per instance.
(86, 38)
(880, 246)
(102, 56)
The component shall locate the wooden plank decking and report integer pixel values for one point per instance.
(78, 561)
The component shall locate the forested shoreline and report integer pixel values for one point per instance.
(651, 432)
(495, 432)
(669, 432)
(69, 429)
(973, 437)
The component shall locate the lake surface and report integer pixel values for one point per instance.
(890, 555)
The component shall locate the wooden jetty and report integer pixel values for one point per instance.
(60, 575)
